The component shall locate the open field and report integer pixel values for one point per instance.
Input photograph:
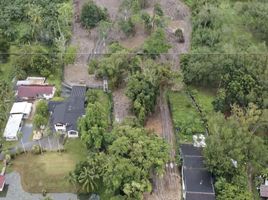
(50, 170)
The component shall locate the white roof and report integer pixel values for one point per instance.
(21, 108)
(23, 82)
(32, 81)
(13, 126)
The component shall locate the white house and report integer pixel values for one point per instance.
(13, 126)
(24, 108)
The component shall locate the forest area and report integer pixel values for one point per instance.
(229, 57)
(219, 87)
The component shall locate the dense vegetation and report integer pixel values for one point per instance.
(228, 55)
(91, 15)
(118, 160)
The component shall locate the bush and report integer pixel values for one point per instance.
(70, 55)
(36, 149)
(92, 14)
(127, 26)
(179, 35)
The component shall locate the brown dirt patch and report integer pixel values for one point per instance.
(154, 122)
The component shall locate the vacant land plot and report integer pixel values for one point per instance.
(185, 116)
(50, 170)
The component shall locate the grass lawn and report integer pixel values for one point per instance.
(50, 170)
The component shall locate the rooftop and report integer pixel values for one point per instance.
(33, 91)
(21, 108)
(13, 126)
(68, 112)
(197, 179)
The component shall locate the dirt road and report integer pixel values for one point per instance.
(168, 187)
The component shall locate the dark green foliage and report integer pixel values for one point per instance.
(4, 49)
(234, 152)
(92, 14)
(158, 10)
(34, 60)
(255, 17)
(179, 35)
(147, 21)
(143, 95)
(156, 44)
(41, 114)
(94, 125)
(40, 20)
(6, 95)
(238, 87)
(143, 87)
(124, 169)
(127, 26)
(229, 191)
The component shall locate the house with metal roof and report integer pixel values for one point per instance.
(13, 126)
(33, 92)
(64, 115)
(197, 182)
(24, 108)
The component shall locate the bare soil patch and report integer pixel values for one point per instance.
(154, 122)
(122, 105)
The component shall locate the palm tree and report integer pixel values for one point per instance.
(88, 178)
(20, 135)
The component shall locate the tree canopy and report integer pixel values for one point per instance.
(92, 14)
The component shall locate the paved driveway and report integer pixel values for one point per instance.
(27, 130)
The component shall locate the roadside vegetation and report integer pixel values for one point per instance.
(229, 48)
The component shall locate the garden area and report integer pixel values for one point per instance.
(186, 118)
(50, 170)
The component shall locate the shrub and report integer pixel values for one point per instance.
(70, 55)
(127, 26)
(36, 149)
(92, 14)
(179, 35)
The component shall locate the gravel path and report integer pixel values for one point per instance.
(14, 191)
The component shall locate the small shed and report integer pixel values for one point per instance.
(2, 182)
(24, 108)
(13, 126)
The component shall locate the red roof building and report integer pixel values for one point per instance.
(28, 92)
(2, 182)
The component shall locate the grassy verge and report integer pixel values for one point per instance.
(186, 119)
(50, 170)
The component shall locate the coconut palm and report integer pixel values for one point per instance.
(87, 179)
(20, 135)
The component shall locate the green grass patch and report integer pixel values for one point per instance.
(104, 98)
(185, 117)
(50, 170)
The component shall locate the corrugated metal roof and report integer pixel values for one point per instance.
(33, 91)
(13, 126)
